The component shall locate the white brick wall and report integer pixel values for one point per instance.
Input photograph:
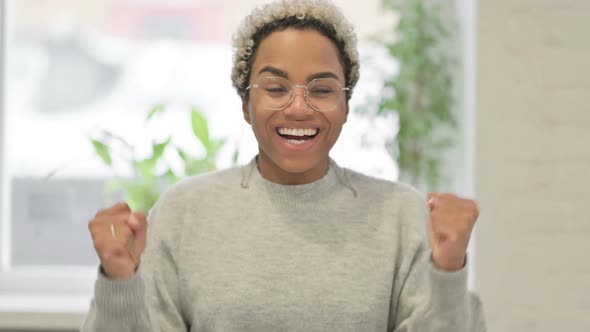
(533, 164)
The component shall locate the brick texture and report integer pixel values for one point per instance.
(533, 164)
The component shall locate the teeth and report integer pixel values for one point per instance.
(297, 142)
(298, 132)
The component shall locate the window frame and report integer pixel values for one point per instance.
(3, 212)
(27, 303)
(22, 296)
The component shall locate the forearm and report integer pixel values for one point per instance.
(451, 307)
(118, 306)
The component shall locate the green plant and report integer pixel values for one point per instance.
(421, 93)
(152, 174)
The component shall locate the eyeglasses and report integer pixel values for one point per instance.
(277, 93)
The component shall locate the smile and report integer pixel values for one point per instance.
(297, 136)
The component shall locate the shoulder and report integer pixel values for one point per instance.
(373, 186)
(400, 201)
(198, 188)
(206, 183)
(169, 214)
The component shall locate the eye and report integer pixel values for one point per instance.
(276, 89)
(322, 89)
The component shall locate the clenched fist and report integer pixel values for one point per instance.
(119, 237)
(449, 228)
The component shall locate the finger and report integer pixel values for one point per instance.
(119, 208)
(107, 246)
(430, 204)
(471, 208)
(432, 198)
(138, 223)
(133, 222)
(123, 233)
(109, 227)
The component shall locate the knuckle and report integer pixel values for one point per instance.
(106, 256)
(118, 205)
(123, 206)
(94, 226)
(470, 216)
(476, 209)
(447, 196)
(113, 209)
(98, 246)
(99, 213)
(112, 253)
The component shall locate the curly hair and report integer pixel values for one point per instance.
(320, 15)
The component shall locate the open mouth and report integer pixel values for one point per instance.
(298, 136)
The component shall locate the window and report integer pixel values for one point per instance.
(73, 68)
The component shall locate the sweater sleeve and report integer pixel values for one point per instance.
(149, 301)
(429, 299)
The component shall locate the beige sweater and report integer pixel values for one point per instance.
(230, 251)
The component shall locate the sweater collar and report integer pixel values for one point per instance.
(289, 194)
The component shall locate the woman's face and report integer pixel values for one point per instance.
(300, 56)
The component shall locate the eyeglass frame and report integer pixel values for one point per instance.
(305, 94)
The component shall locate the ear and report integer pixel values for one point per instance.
(346, 110)
(246, 110)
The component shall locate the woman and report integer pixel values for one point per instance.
(291, 241)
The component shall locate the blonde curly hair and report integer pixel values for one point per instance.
(320, 15)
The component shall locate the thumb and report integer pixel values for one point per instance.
(431, 200)
(138, 223)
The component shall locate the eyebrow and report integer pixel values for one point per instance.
(325, 74)
(282, 73)
(274, 70)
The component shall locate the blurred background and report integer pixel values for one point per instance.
(104, 89)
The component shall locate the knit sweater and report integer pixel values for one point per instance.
(231, 251)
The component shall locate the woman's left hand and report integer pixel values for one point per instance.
(450, 224)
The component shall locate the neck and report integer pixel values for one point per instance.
(273, 172)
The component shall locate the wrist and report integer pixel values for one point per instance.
(119, 275)
(449, 265)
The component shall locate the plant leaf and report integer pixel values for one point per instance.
(158, 149)
(185, 157)
(198, 166)
(214, 147)
(200, 127)
(146, 169)
(141, 197)
(155, 110)
(236, 156)
(171, 177)
(103, 151)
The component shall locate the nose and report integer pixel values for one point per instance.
(299, 108)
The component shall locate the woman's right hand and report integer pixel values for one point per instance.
(119, 237)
